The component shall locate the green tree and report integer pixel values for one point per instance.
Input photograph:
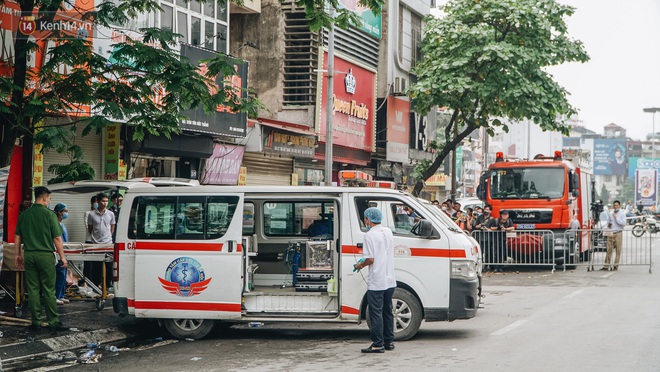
(124, 89)
(487, 59)
(605, 195)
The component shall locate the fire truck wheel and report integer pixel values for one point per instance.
(188, 328)
(407, 314)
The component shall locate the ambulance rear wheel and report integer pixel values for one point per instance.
(407, 315)
(188, 328)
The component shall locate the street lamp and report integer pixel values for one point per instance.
(653, 110)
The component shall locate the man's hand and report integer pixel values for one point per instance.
(355, 267)
(64, 262)
(19, 262)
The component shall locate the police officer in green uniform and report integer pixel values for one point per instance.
(38, 230)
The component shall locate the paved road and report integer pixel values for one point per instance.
(529, 320)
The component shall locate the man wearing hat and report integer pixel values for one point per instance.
(62, 213)
(498, 248)
(378, 254)
(38, 230)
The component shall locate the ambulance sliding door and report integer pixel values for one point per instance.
(187, 256)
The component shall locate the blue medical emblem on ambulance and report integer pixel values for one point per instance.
(185, 277)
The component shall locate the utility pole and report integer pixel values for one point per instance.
(454, 182)
(329, 109)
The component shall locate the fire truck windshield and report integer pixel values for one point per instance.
(527, 183)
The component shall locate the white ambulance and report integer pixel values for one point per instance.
(198, 256)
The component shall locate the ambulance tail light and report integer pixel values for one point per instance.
(499, 156)
(115, 261)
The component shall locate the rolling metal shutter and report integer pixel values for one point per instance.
(92, 146)
(267, 170)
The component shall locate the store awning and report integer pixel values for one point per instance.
(289, 127)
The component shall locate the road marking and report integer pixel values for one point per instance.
(511, 326)
(571, 295)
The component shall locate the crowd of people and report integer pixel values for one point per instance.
(493, 240)
(47, 283)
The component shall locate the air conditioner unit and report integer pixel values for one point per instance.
(399, 86)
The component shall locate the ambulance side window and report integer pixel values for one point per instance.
(397, 216)
(221, 210)
(185, 217)
(152, 217)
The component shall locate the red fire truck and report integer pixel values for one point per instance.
(542, 194)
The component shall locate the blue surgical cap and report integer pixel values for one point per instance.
(60, 207)
(374, 214)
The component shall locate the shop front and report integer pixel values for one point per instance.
(353, 107)
(272, 149)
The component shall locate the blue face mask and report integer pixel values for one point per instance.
(96, 206)
(65, 215)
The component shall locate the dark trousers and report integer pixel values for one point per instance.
(60, 281)
(381, 317)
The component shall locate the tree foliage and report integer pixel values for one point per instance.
(486, 59)
(123, 90)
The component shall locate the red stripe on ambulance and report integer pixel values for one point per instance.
(162, 246)
(415, 252)
(349, 310)
(188, 246)
(172, 305)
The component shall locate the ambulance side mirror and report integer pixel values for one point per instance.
(424, 229)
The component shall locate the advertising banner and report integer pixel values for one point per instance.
(398, 129)
(610, 157)
(290, 144)
(224, 121)
(371, 23)
(353, 105)
(224, 166)
(646, 182)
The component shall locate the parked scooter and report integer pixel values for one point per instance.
(649, 223)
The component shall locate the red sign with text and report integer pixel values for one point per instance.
(354, 105)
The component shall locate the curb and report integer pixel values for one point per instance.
(17, 352)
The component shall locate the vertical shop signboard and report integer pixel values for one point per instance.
(111, 170)
(38, 159)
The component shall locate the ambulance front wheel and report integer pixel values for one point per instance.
(407, 314)
(188, 328)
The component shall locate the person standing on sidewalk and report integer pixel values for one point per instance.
(378, 254)
(616, 221)
(62, 213)
(38, 230)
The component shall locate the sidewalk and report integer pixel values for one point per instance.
(84, 323)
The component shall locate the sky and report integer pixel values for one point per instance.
(622, 38)
(623, 76)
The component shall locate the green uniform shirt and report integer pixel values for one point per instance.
(37, 227)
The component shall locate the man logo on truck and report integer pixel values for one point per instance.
(185, 277)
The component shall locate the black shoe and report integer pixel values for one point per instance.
(34, 328)
(389, 346)
(615, 269)
(373, 349)
(604, 269)
(54, 329)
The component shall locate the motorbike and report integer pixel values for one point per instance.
(649, 223)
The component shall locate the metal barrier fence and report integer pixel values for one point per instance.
(634, 251)
(570, 249)
(523, 247)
